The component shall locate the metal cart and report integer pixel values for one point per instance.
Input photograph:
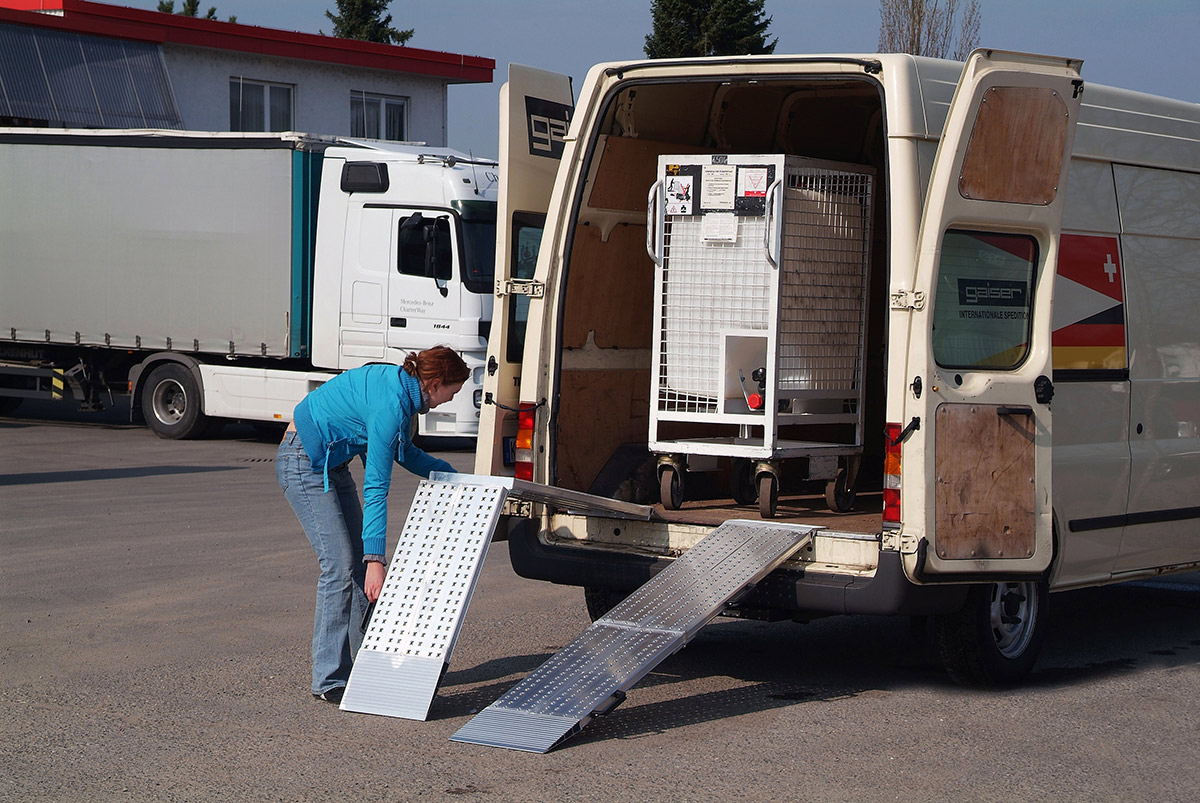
(760, 319)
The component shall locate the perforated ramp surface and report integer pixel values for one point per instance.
(591, 674)
(425, 594)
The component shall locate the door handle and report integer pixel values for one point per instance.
(1043, 389)
(1019, 409)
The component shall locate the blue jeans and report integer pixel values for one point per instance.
(333, 523)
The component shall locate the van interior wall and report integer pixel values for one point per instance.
(607, 318)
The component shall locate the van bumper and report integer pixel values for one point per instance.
(796, 591)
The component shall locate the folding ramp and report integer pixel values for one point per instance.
(438, 557)
(590, 676)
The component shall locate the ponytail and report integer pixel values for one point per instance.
(440, 363)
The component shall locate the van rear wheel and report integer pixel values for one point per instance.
(994, 639)
(601, 600)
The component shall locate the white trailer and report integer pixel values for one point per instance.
(219, 276)
(1035, 250)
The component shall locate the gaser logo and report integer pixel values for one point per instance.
(975, 294)
(547, 123)
(992, 293)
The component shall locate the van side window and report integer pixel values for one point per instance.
(527, 241)
(981, 312)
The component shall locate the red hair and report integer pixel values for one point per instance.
(440, 363)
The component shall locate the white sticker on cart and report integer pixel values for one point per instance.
(752, 182)
(679, 195)
(717, 186)
(719, 227)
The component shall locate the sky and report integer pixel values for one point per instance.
(1147, 45)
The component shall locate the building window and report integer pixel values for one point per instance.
(378, 117)
(259, 106)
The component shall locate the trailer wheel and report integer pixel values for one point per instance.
(741, 483)
(171, 403)
(768, 495)
(601, 600)
(670, 488)
(994, 639)
(839, 498)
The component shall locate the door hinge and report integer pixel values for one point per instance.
(908, 299)
(520, 287)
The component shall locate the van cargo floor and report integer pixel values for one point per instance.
(589, 677)
(865, 518)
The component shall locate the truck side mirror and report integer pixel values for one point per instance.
(439, 255)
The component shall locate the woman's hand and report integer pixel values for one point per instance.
(374, 582)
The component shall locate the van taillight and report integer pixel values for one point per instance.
(524, 450)
(891, 476)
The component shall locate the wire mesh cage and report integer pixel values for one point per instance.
(760, 300)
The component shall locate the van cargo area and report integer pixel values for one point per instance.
(601, 428)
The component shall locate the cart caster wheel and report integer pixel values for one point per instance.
(670, 487)
(741, 483)
(768, 495)
(839, 498)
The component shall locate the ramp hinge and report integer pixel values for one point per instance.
(520, 287)
(908, 300)
(517, 507)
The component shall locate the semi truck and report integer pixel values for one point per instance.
(222, 276)
(1030, 385)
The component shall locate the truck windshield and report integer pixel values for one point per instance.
(479, 243)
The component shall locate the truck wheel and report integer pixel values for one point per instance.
(839, 498)
(994, 639)
(601, 600)
(670, 488)
(768, 495)
(741, 482)
(171, 403)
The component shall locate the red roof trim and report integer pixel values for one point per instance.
(153, 26)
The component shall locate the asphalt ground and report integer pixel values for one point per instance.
(156, 609)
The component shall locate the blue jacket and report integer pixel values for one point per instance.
(365, 412)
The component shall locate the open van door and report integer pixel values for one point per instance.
(977, 430)
(535, 112)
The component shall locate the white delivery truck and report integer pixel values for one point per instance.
(218, 276)
(1031, 369)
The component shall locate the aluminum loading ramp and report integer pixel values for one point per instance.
(429, 583)
(590, 676)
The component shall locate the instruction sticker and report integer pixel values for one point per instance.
(718, 186)
(679, 194)
(752, 182)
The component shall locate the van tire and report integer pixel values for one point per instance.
(171, 403)
(601, 600)
(993, 641)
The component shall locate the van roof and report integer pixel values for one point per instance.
(1117, 125)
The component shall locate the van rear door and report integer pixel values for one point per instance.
(535, 111)
(975, 477)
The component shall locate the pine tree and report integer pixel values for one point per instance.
(191, 8)
(365, 20)
(684, 28)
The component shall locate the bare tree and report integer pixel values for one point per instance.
(928, 27)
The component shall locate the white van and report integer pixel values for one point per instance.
(1036, 248)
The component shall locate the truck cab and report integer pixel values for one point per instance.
(414, 267)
